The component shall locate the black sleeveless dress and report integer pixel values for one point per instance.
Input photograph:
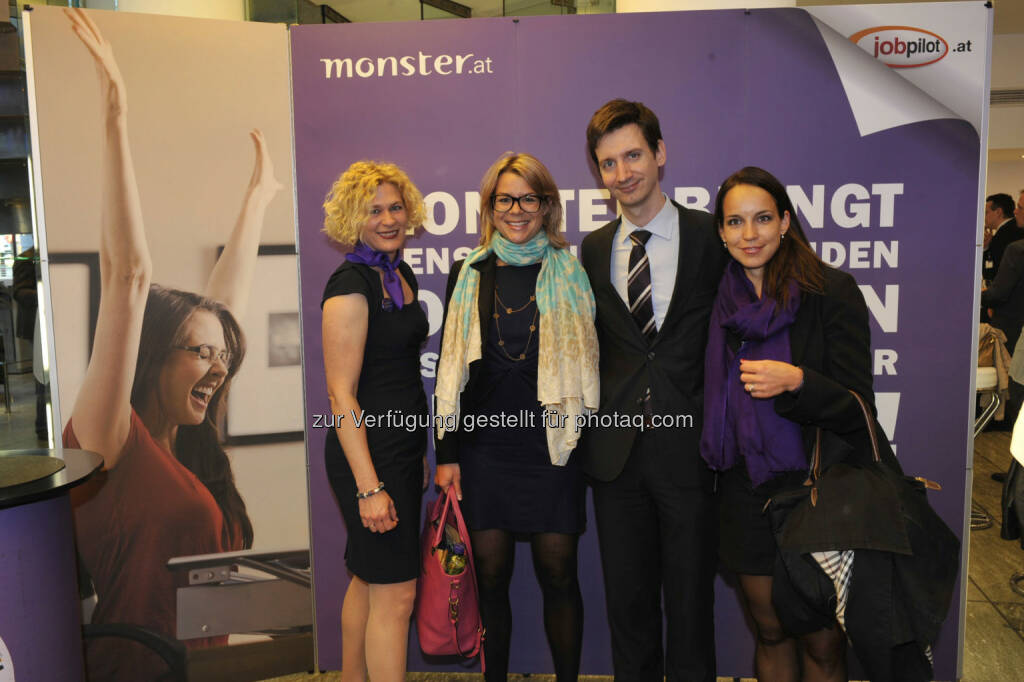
(508, 480)
(391, 391)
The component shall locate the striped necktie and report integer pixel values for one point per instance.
(638, 285)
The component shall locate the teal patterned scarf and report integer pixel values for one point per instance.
(567, 373)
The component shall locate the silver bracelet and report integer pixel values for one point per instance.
(370, 493)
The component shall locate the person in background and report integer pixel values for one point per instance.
(27, 298)
(23, 287)
(1002, 300)
(1004, 296)
(1001, 230)
(1018, 212)
(519, 339)
(373, 330)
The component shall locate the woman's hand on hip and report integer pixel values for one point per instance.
(378, 512)
(769, 378)
(448, 475)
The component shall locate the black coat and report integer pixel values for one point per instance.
(896, 602)
(1007, 233)
(830, 340)
(1006, 294)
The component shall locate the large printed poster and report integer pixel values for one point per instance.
(168, 141)
(848, 106)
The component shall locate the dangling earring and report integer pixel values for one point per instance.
(782, 237)
(724, 245)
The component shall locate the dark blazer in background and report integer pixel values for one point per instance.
(672, 364)
(1006, 293)
(1008, 233)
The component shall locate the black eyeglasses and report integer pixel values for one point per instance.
(207, 352)
(528, 203)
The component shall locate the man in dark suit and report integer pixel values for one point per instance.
(999, 219)
(654, 271)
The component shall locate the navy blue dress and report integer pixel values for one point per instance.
(508, 480)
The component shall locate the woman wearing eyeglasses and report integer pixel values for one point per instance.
(373, 329)
(518, 365)
(153, 391)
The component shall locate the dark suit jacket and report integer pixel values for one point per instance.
(447, 449)
(672, 364)
(1006, 294)
(1006, 235)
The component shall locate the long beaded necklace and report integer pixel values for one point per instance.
(500, 305)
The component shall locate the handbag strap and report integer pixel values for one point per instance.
(869, 422)
(445, 502)
(451, 504)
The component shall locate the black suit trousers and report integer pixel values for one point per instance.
(657, 540)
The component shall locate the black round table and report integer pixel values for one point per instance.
(40, 612)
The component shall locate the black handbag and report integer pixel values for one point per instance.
(869, 506)
(846, 506)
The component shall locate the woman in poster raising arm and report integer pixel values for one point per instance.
(158, 374)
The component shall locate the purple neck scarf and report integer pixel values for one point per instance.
(734, 422)
(376, 259)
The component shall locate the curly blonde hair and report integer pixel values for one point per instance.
(347, 205)
(537, 176)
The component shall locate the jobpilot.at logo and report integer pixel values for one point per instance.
(902, 47)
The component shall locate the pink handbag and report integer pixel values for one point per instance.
(447, 607)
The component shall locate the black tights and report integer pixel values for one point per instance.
(822, 654)
(554, 563)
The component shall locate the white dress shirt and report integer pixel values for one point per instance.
(662, 254)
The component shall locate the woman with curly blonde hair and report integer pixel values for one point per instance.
(373, 329)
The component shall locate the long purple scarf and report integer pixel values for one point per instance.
(392, 284)
(769, 444)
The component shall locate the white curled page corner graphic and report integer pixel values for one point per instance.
(6, 664)
(879, 98)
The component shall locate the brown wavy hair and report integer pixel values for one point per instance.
(198, 446)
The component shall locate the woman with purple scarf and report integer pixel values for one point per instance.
(788, 340)
(373, 329)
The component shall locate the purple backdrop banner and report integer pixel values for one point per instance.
(732, 88)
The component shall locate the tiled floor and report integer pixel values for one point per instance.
(994, 646)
